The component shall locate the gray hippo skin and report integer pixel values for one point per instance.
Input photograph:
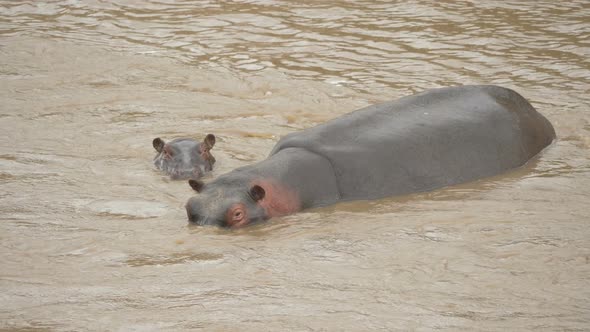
(184, 158)
(429, 140)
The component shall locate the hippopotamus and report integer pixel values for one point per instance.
(436, 138)
(184, 158)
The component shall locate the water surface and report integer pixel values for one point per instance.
(93, 238)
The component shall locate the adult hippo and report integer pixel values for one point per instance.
(184, 158)
(433, 139)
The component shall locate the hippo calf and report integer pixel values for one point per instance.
(184, 158)
(422, 142)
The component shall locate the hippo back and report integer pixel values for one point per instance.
(436, 138)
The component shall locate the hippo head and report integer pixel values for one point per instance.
(225, 204)
(184, 158)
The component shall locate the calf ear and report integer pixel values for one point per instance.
(209, 140)
(158, 144)
(196, 185)
(257, 193)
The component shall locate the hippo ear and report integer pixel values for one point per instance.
(196, 185)
(209, 140)
(257, 193)
(158, 144)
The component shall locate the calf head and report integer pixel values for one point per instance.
(184, 158)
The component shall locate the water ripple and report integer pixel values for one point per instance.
(353, 41)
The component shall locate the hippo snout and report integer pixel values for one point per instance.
(192, 218)
(195, 215)
(191, 173)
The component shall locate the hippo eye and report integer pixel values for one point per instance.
(236, 216)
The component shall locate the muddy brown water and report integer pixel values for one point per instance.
(93, 238)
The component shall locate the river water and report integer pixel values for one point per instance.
(93, 238)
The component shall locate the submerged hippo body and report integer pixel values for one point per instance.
(433, 139)
(184, 158)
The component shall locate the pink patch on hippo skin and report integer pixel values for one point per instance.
(279, 200)
(205, 155)
(204, 151)
(168, 151)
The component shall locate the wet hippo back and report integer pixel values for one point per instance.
(425, 141)
(422, 142)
